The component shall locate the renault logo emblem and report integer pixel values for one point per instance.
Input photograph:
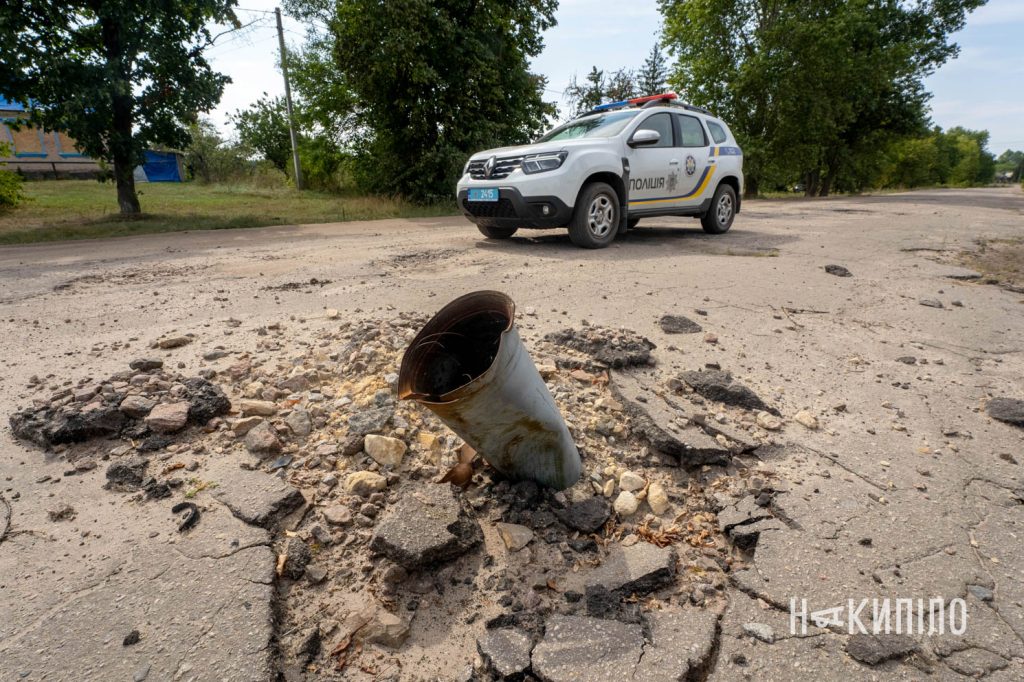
(489, 166)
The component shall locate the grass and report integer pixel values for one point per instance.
(85, 209)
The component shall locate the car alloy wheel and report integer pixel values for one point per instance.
(601, 216)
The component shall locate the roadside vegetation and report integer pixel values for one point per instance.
(84, 209)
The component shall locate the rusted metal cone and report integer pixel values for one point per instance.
(469, 366)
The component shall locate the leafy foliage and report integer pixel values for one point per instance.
(625, 83)
(653, 75)
(435, 81)
(264, 127)
(10, 183)
(118, 76)
(812, 90)
(956, 157)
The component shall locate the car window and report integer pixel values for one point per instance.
(717, 133)
(663, 125)
(598, 125)
(691, 131)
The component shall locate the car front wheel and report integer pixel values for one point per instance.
(719, 217)
(595, 220)
(496, 232)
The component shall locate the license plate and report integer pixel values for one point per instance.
(484, 194)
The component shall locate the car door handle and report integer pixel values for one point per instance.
(674, 162)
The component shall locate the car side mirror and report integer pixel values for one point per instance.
(644, 138)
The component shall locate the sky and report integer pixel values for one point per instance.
(982, 89)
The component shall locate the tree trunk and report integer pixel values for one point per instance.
(811, 181)
(124, 175)
(751, 186)
(120, 144)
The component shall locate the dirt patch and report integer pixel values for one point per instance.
(1000, 261)
(299, 286)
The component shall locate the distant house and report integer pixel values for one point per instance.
(38, 153)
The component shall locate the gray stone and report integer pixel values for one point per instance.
(298, 557)
(262, 440)
(146, 364)
(587, 516)
(873, 649)
(168, 417)
(137, 406)
(253, 496)
(506, 651)
(931, 302)
(1009, 410)
(577, 648)
(838, 271)
(369, 421)
(637, 569)
(981, 592)
(299, 422)
(680, 645)
(677, 324)
(760, 631)
(127, 474)
(428, 525)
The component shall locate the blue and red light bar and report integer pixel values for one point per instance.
(635, 101)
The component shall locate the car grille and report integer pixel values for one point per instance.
(502, 208)
(502, 168)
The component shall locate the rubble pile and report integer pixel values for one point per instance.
(381, 570)
(143, 403)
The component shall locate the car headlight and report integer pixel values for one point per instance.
(539, 163)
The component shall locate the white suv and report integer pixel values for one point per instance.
(599, 174)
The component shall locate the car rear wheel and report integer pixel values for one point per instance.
(719, 217)
(496, 232)
(595, 220)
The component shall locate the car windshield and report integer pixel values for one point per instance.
(598, 125)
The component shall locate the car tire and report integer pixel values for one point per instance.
(719, 217)
(492, 232)
(595, 221)
(632, 222)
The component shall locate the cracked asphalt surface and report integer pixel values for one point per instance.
(907, 489)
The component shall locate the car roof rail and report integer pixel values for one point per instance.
(681, 105)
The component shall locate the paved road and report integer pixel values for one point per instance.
(908, 489)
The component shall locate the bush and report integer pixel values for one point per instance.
(10, 183)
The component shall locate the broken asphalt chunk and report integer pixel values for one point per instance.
(637, 569)
(587, 516)
(580, 648)
(652, 416)
(505, 651)
(873, 649)
(718, 385)
(427, 526)
(680, 646)
(838, 271)
(253, 496)
(677, 324)
(1009, 410)
(614, 348)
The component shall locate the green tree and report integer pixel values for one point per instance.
(652, 76)
(585, 96)
(436, 81)
(811, 88)
(263, 126)
(117, 76)
(621, 85)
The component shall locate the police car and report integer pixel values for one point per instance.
(603, 172)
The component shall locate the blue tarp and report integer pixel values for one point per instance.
(161, 167)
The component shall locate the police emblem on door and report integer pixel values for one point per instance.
(691, 165)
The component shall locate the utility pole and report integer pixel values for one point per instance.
(288, 101)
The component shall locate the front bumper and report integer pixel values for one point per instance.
(512, 209)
